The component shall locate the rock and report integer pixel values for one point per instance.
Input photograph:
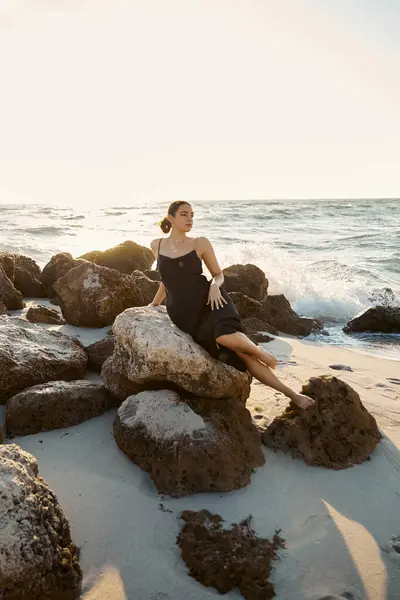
(383, 319)
(277, 311)
(38, 560)
(90, 256)
(99, 352)
(340, 367)
(9, 296)
(225, 558)
(189, 445)
(247, 279)
(27, 277)
(55, 405)
(126, 258)
(148, 288)
(92, 296)
(260, 338)
(7, 263)
(153, 275)
(3, 309)
(247, 307)
(337, 432)
(30, 355)
(255, 325)
(151, 352)
(40, 313)
(57, 267)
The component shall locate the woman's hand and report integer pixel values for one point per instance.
(215, 298)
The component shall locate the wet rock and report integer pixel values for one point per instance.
(247, 307)
(9, 296)
(189, 444)
(27, 277)
(92, 296)
(247, 279)
(151, 352)
(340, 367)
(57, 267)
(153, 275)
(55, 405)
(260, 338)
(3, 309)
(256, 325)
(38, 560)
(126, 258)
(277, 311)
(383, 319)
(99, 352)
(40, 313)
(228, 558)
(30, 355)
(337, 432)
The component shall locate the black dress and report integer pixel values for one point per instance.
(186, 301)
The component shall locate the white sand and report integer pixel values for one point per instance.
(337, 524)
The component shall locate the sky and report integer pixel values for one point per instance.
(106, 102)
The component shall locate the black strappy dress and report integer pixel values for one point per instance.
(186, 301)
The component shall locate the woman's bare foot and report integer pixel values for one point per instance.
(302, 401)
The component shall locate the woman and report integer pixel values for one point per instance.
(204, 309)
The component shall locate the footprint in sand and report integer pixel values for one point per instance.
(394, 380)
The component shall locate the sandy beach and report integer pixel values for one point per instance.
(337, 525)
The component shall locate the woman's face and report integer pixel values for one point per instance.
(183, 219)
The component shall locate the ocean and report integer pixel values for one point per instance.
(331, 258)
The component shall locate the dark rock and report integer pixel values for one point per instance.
(30, 355)
(57, 267)
(7, 263)
(90, 256)
(340, 367)
(277, 311)
(38, 559)
(92, 296)
(126, 258)
(228, 558)
(99, 352)
(189, 444)
(27, 277)
(337, 432)
(153, 275)
(383, 319)
(55, 405)
(383, 296)
(260, 338)
(43, 314)
(147, 287)
(255, 325)
(9, 296)
(3, 309)
(247, 279)
(247, 307)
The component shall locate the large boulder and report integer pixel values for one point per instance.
(7, 263)
(277, 311)
(247, 279)
(253, 325)
(151, 352)
(9, 296)
(152, 274)
(57, 267)
(336, 432)
(92, 296)
(30, 355)
(125, 258)
(3, 309)
(27, 277)
(147, 287)
(38, 560)
(40, 313)
(187, 444)
(247, 307)
(384, 319)
(98, 352)
(55, 405)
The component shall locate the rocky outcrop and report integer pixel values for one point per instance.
(384, 319)
(90, 256)
(57, 267)
(228, 558)
(99, 352)
(146, 286)
(125, 258)
(189, 444)
(27, 277)
(247, 307)
(9, 296)
(337, 432)
(151, 352)
(3, 309)
(255, 325)
(40, 313)
(7, 263)
(246, 279)
(277, 311)
(55, 405)
(153, 275)
(38, 560)
(92, 296)
(30, 355)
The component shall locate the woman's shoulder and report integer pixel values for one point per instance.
(155, 244)
(203, 243)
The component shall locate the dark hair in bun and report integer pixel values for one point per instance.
(166, 224)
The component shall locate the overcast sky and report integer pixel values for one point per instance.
(125, 101)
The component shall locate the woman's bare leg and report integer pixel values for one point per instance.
(239, 342)
(266, 376)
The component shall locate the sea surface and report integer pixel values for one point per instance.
(331, 258)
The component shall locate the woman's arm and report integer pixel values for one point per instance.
(159, 297)
(206, 252)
